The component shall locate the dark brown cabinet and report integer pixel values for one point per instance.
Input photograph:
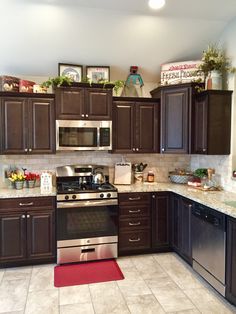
(27, 123)
(27, 230)
(181, 227)
(160, 220)
(211, 119)
(84, 102)
(134, 222)
(135, 125)
(231, 261)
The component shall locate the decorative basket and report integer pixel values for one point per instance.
(180, 178)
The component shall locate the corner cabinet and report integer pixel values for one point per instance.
(231, 260)
(27, 231)
(211, 120)
(83, 101)
(135, 125)
(27, 123)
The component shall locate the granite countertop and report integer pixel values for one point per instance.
(26, 192)
(213, 199)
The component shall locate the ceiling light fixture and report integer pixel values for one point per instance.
(156, 4)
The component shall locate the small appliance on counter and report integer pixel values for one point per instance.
(123, 173)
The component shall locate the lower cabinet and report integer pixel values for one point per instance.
(27, 230)
(134, 222)
(181, 226)
(160, 220)
(231, 261)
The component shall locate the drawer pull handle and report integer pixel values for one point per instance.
(134, 198)
(134, 223)
(134, 211)
(26, 204)
(134, 240)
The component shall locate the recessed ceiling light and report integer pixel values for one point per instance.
(156, 4)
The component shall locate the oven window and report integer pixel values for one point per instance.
(79, 223)
(74, 137)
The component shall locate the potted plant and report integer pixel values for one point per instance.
(31, 178)
(17, 178)
(57, 81)
(214, 65)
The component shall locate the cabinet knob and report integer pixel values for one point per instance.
(163, 149)
(190, 205)
(86, 115)
(28, 216)
(137, 149)
(82, 115)
(204, 149)
(134, 149)
(26, 149)
(23, 216)
(30, 149)
(153, 196)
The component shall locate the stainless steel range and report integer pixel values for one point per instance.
(87, 214)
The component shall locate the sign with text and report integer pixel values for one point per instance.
(181, 72)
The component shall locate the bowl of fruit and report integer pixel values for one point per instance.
(180, 176)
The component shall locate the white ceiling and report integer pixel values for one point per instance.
(38, 34)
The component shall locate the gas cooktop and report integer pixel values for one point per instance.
(76, 187)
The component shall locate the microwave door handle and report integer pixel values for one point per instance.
(98, 136)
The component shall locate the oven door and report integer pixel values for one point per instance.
(87, 222)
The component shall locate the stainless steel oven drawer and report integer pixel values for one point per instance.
(86, 253)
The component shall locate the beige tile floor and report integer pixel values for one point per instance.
(158, 283)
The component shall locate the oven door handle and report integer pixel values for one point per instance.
(93, 203)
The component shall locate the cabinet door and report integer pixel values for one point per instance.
(41, 126)
(176, 219)
(146, 129)
(231, 261)
(14, 125)
(160, 220)
(98, 104)
(199, 140)
(70, 103)
(123, 130)
(174, 120)
(185, 226)
(12, 237)
(40, 234)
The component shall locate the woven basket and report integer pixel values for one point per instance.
(178, 178)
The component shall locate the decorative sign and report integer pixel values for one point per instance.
(46, 183)
(181, 72)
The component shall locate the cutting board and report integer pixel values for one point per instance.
(123, 173)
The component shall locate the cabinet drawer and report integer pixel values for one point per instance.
(134, 211)
(134, 198)
(134, 240)
(134, 223)
(27, 203)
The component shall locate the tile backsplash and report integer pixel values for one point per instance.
(158, 163)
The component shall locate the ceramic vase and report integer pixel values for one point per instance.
(138, 177)
(19, 185)
(214, 80)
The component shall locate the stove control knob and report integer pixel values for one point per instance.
(102, 195)
(108, 195)
(66, 197)
(74, 197)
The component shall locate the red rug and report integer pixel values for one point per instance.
(85, 273)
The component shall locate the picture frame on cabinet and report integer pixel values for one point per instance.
(98, 74)
(73, 71)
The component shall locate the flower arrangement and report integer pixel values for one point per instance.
(214, 59)
(31, 176)
(16, 177)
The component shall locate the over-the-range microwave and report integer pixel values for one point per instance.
(83, 135)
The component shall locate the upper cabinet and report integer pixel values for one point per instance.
(211, 121)
(27, 123)
(176, 101)
(84, 102)
(135, 125)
